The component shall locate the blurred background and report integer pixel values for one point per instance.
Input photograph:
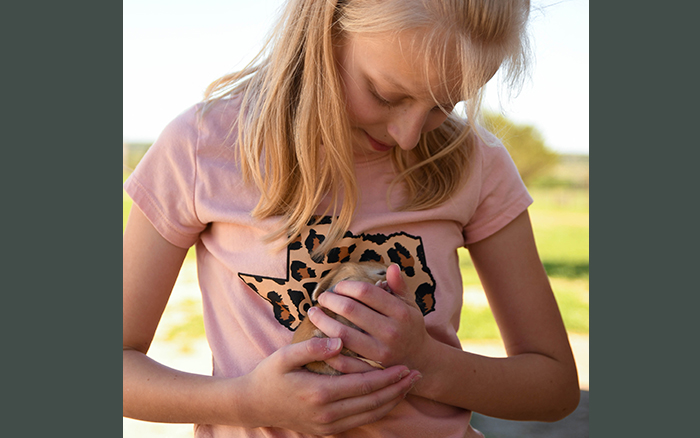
(174, 49)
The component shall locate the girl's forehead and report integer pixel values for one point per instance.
(400, 61)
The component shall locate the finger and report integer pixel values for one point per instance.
(366, 417)
(395, 280)
(372, 296)
(376, 387)
(370, 407)
(397, 283)
(349, 365)
(361, 343)
(354, 311)
(315, 349)
(360, 384)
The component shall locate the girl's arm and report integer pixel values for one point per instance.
(538, 379)
(153, 392)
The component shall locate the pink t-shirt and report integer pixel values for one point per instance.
(254, 295)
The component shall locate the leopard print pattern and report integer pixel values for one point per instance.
(291, 297)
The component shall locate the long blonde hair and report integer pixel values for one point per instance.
(294, 136)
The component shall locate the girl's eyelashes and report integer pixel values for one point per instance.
(384, 101)
(387, 103)
(379, 98)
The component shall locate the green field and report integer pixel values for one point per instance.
(560, 222)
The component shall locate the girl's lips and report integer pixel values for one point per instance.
(377, 145)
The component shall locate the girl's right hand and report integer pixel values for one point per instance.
(279, 392)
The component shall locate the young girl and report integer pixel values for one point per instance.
(339, 143)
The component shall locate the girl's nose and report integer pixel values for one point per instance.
(406, 127)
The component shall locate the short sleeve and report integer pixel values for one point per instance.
(163, 183)
(503, 195)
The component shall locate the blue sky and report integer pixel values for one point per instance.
(174, 49)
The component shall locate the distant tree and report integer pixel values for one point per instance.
(525, 144)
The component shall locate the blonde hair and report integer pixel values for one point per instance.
(294, 136)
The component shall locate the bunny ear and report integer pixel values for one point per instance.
(321, 287)
(316, 293)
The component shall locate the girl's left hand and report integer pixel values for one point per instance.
(393, 325)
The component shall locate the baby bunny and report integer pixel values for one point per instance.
(370, 272)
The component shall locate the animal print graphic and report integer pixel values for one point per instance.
(291, 297)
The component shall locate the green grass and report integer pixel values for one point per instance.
(477, 323)
(560, 223)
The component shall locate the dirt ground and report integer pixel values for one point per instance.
(195, 357)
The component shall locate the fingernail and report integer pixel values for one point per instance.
(414, 380)
(404, 373)
(333, 344)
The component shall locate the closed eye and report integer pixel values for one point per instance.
(375, 94)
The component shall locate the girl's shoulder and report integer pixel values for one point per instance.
(202, 128)
(202, 135)
(215, 120)
(490, 154)
(494, 186)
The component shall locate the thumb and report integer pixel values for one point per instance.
(312, 350)
(397, 283)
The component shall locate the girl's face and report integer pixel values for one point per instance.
(388, 98)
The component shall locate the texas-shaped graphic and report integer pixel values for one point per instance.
(291, 296)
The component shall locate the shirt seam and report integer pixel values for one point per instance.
(152, 200)
(198, 128)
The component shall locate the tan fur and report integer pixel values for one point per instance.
(370, 272)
